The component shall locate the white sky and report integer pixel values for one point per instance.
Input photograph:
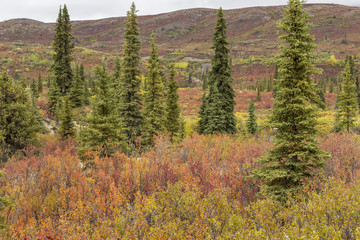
(47, 10)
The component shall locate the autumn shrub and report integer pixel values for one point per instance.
(199, 188)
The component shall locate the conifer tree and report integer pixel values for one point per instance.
(131, 100)
(173, 118)
(54, 97)
(322, 100)
(34, 88)
(5, 202)
(40, 85)
(296, 154)
(85, 84)
(116, 75)
(258, 95)
(67, 126)
(154, 111)
(77, 90)
(37, 116)
(63, 47)
(104, 131)
(18, 125)
(251, 124)
(218, 116)
(203, 118)
(347, 105)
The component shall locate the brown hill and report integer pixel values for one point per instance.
(185, 35)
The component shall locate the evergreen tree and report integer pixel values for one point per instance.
(67, 126)
(34, 89)
(154, 111)
(54, 97)
(48, 81)
(331, 90)
(85, 84)
(296, 153)
(173, 118)
(18, 125)
(77, 90)
(258, 95)
(251, 124)
(347, 105)
(190, 79)
(5, 202)
(322, 100)
(116, 75)
(37, 116)
(269, 85)
(218, 116)
(203, 118)
(276, 76)
(104, 131)
(40, 85)
(63, 47)
(131, 100)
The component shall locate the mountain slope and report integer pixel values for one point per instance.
(186, 34)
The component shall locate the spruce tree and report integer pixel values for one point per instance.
(130, 99)
(18, 124)
(322, 100)
(218, 116)
(251, 124)
(85, 84)
(77, 94)
(34, 88)
(5, 202)
(40, 85)
(54, 97)
(173, 118)
(104, 132)
(296, 153)
(67, 126)
(63, 47)
(37, 116)
(258, 95)
(203, 118)
(154, 111)
(347, 105)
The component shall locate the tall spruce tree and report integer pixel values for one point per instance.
(18, 124)
(54, 97)
(104, 132)
(347, 105)
(218, 106)
(67, 126)
(203, 118)
(85, 84)
(173, 118)
(296, 154)
(63, 47)
(251, 125)
(154, 111)
(77, 94)
(258, 94)
(40, 85)
(130, 99)
(34, 88)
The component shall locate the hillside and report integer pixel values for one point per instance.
(185, 36)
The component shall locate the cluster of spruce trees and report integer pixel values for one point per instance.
(122, 116)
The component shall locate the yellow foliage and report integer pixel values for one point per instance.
(333, 60)
(182, 65)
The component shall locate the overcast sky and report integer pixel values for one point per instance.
(47, 10)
